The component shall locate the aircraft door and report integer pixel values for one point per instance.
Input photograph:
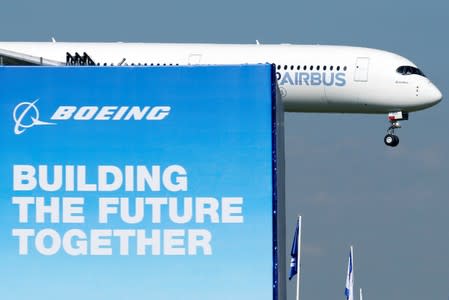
(361, 69)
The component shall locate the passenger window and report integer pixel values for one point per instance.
(318, 68)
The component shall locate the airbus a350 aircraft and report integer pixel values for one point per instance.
(311, 78)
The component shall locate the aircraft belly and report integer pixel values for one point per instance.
(303, 98)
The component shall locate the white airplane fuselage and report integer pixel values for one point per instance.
(311, 78)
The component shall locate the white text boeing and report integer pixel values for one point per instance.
(114, 113)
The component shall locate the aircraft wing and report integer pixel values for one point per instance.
(11, 58)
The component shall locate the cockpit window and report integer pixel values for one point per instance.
(409, 70)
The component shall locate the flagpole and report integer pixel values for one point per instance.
(298, 258)
(361, 295)
(352, 255)
(352, 275)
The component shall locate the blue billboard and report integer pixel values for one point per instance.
(139, 183)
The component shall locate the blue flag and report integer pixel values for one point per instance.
(294, 254)
(349, 289)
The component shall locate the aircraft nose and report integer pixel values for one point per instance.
(433, 95)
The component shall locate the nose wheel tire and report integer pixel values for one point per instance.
(391, 140)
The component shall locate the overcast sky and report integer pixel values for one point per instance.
(391, 204)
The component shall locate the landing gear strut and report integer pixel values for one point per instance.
(391, 139)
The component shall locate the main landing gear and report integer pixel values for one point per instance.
(391, 139)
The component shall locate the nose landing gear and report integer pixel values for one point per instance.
(391, 139)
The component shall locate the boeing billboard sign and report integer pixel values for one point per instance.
(138, 183)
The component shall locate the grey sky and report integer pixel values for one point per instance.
(391, 204)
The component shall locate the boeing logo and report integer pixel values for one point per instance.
(26, 114)
(113, 113)
(312, 78)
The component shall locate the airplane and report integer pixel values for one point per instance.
(311, 78)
